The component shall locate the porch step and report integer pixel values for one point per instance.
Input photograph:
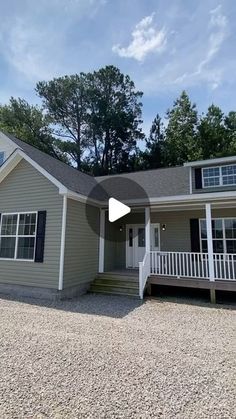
(116, 283)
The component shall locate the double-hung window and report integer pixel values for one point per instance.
(219, 176)
(223, 235)
(18, 236)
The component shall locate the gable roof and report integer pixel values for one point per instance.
(71, 178)
(156, 183)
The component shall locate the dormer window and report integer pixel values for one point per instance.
(219, 176)
(2, 156)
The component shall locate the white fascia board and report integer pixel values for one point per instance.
(201, 198)
(9, 164)
(84, 199)
(16, 157)
(9, 141)
(210, 162)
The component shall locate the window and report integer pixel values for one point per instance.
(223, 235)
(18, 236)
(219, 176)
(141, 237)
(2, 155)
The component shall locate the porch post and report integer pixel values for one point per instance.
(101, 241)
(147, 229)
(210, 252)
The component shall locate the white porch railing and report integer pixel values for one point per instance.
(186, 265)
(144, 272)
(225, 266)
(180, 264)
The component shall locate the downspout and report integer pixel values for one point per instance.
(63, 237)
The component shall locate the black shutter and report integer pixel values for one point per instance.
(40, 237)
(198, 178)
(194, 235)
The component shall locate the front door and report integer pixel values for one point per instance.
(135, 243)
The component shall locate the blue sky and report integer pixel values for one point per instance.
(165, 47)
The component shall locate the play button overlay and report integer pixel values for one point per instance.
(124, 202)
(117, 209)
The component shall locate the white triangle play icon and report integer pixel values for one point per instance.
(117, 210)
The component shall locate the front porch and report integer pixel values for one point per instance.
(168, 246)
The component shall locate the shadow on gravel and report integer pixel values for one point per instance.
(90, 304)
(190, 296)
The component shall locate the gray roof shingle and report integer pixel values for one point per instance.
(156, 183)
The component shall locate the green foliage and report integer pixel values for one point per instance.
(66, 104)
(188, 137)
(97, 115)
(181, 132)
(154, 156)
(94, 121)
(28, 122)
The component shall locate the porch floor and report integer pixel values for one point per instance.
(202, 283)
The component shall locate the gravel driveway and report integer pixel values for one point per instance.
(113, 357)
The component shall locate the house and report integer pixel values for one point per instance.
(56, 239)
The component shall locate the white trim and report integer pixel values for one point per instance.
(221, 184)
(16, 157)
(147, 230)
(83, 198)
(135, 238)
(210, 243)
(190, 181)
(17, 235)
(63, 238)
(8, 140)
(101, 241)
(208, 162)
(224, 238)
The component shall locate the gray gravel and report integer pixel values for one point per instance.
(113, 357)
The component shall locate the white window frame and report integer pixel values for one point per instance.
(220, 176)
(222, 238)
(3, 154)
(17, 236)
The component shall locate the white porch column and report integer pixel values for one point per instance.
(209, 242)
(101, 241)
(147, 229)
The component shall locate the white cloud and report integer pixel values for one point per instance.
(146, 39)
(196, 59)
(34, 43)
(219, 24)
(25, 48)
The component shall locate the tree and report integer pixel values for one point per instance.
(230, 127)
(213, 138)
(154, 155)
(114, 120)
(65, 101)
(180, 134)
(97, 114)
(28, 122)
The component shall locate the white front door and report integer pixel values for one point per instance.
(135, 243)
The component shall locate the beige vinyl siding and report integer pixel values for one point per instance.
(81, 245)
(25, 189)
(176, 237)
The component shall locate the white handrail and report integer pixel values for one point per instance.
(225, 266)
(144, 272)
(192, 265)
